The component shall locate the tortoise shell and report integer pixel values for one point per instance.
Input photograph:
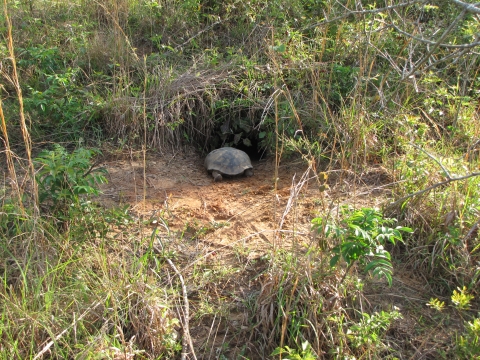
(228, 161)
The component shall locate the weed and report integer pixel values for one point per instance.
(462, 299)
(361, 237)
(368, 332)
(436, 304)
(63, 177)
(305, 353)
(67, 183)
(468, 344)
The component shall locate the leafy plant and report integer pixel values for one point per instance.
(368, 332)
(361, 237)
(468, 344)
(56, 92)
(63, 177)
(436, 304)
(342, 84)
(63, 104)
(13, 221)
(461, 299)
(305, 353)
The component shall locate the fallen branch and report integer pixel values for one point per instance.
(362, 12)
(186, 340)
(472, 231)
(445, 171)
(50, 343)
(447, 32)
(472, 8)
(449, 180)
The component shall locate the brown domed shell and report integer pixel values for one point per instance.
(228, 161)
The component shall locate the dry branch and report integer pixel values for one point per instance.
(50, 343)
(473, 8)
(434, 186)
(14, 80)
(186, 340)
(364, 12)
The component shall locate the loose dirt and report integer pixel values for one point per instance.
(250, 210)
(229, 226)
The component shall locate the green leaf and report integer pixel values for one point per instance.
(280, 48)
(405, 229)
(378, 263)
(334, 260)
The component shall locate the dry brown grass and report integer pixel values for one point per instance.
(180, 107)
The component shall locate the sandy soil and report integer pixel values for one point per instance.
(246, 215)
(178, 188)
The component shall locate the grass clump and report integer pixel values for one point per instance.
(70, 302)
(72, 290)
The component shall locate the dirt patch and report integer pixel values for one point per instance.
(237, 209)
(226, 228)
(178, 188)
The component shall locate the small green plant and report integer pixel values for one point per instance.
(436, 304)
(343, 82)
(63, 177)
(13, 221)
(461, 298)
(368, 332)
(287, 353)
(468, 344)
(56, 95)
(361, 237)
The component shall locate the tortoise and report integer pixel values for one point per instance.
(228, 161)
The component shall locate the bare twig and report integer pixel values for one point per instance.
(431, 42)
(437, 43)
(74, 323)
(449, 180)
(14, 80)
(98, 161)
(445, 171)
(472, 231)
(294, 192)
(473, 8)
(9, 156)
(119, 28)
(198, 34)
(363, 12)
(187, 340)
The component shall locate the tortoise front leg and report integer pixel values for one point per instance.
(248, 172)
(216, 176)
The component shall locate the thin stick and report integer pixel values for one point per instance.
(187, 340)
(447, 173)
(437, 43)
(119, 28)
(432, 187)
(198, 34)
(471, 231)
(74, 323)
(23, 126)
(294, 192)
